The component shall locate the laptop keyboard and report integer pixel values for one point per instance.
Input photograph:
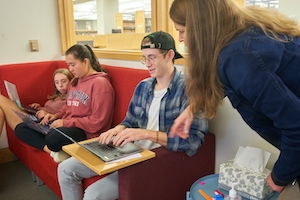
(33, 117)
(107, 150)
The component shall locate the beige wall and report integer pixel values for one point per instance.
(20, 22)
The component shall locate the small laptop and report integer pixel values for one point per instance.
(32, 122)
(14, 96)
(107, 152)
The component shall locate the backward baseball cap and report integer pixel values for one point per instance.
(161, 40)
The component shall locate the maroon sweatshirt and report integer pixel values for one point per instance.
(52, 106)
(89, 105)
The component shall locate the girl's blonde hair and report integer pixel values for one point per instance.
(210, 25)
(56, 93)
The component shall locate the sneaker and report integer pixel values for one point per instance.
(59, 156)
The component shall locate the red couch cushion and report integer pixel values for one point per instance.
(34, 82)
(124, 80)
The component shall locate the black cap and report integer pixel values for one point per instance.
(161, 40)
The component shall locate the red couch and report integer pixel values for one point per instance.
(167, 176)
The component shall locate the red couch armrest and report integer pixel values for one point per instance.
(167, 176)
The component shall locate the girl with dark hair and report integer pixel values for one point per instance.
(89, 107)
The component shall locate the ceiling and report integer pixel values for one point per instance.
(86, 9)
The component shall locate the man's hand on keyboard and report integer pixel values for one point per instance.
(107, 136)
(130, 135)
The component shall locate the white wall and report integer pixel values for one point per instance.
(19, 24)
(231, 132)
(106, 15)
(21, 21)
(290, 8)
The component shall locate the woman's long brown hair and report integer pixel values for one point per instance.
(210, 25)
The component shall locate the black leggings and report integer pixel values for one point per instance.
(53, 139)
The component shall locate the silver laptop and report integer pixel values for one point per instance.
(14, 96)
(32, 122)
(107, 152)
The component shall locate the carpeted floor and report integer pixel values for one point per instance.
(16, 184)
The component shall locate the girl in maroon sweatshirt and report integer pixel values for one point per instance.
(89, 107)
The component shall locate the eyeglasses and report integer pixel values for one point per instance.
(150, 59)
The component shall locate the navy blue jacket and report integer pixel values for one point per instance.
(261, 77)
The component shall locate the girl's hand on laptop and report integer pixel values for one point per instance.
(35, 106)
(48, 119)
(40, 114)
(57, 123)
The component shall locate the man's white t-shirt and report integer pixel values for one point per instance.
(153, 119)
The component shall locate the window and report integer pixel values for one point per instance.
(159, 21)
(112, 16)
(264, 3)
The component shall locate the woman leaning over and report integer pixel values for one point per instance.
(252, 56)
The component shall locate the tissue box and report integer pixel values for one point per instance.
(249, 184)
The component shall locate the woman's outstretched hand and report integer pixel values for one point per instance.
(182, 124)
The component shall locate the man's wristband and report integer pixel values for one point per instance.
(157, 136)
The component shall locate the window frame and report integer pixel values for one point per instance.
(159, 10)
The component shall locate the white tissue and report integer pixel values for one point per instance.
(252, 158)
